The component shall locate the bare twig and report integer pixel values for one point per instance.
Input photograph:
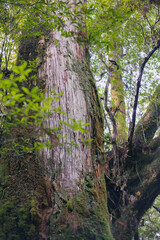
(152, 28)
(101, 76)
(144, 38)
(158, 210)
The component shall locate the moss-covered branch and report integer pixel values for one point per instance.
(145, 183)
(148, 125)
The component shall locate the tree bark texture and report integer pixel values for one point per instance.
(66, 69)
(58, 193)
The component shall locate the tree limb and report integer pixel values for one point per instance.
(154, 144)
(111, 116)
(145, 184)
(148, 125)
(113, 121)
(132, 124)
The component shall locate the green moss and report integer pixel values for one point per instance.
(84, 217)
(90, 183)
(15, 221)
(70, 205)
(23, 196)
(80, 205)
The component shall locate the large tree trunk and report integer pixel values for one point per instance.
(66, 70)
(58, 193)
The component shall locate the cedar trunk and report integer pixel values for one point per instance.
(58, 193)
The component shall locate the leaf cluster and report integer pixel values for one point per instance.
(126, 32)
(24, 108)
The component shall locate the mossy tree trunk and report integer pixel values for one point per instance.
(58, 193)
(118, 105)
(117, 109)
(78, 197)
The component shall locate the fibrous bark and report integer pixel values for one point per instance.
(68, 72)
(59, 192)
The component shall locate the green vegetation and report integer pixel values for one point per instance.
(28, 108)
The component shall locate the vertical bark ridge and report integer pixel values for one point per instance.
(59, 63)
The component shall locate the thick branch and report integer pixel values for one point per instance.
(148, 125)
(136, 193)
(132, 125)
(143, 182)
(154, 144)
(114, 126)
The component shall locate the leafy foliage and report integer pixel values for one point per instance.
(25, 108)
(124, 31)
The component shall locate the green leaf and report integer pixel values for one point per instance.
(26, 90)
